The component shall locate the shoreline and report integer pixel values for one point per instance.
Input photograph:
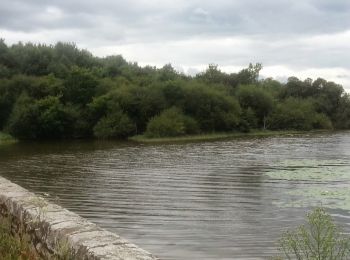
(219, 136)
(6, 139)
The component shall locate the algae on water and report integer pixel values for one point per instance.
(311, 170)
(316, 183)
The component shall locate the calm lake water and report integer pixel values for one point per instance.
(227, 199)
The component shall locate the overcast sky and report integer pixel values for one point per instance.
(305, 38)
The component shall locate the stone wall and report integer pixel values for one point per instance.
(52, 228)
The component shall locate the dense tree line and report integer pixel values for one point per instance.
(60, 91)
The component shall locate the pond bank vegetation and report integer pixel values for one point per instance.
(6, 138)
(62, 92)
(220, 136)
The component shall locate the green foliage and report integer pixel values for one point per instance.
(342, 115)
(171, 122)
(212, 75)
(167, 73)
(140, 104)
(10, 248)
(22, 122)
(257, 99)
(80, 86)
(6, 138)
(42, 118)
(327, 95)
(318, 239)
(249, 118)
(214, 110)
(249, 75)
(113, 66)
(60, 91)
(14, 246)
(173, 92)
(51, 117)
(297, 114)
(16, 243)
(321, 121)
(114, 125)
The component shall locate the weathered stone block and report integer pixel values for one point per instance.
(52, 228)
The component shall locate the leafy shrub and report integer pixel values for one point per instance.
(16, 243)
(321, 121)
(171, 122)
(14, 246)
(319, 239)
(114, 125)
(42, 118)
(22, 122)
(10, 247)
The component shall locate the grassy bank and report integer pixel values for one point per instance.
(5, 138)
(215, 136)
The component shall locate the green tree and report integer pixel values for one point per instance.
(80, 86)
(173, 92)
(167, 72)
(297, 114)
(249, 75)
(52, 119)
(213, 109)
(329, 98)
(212, 74)
(113, 65)
(90, 93)
(299, 89)
(259, 100)
(249, 116)
(342, 114)
(23, 122)
(43, 118)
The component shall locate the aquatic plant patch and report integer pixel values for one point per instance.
(314, 183)
(311, 170)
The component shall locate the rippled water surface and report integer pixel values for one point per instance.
(210, 200)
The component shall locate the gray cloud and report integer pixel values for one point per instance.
(177, 19)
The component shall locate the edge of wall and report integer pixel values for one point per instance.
(50, 224)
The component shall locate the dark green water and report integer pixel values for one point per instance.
(210, 200)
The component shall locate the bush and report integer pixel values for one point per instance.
(114, 125)
(171, 122)
(22, 122)
(319, 239)
(10, 248)
(321, 121)
(14, 246)
(42, 118)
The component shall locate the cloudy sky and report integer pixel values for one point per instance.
(305, 38)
